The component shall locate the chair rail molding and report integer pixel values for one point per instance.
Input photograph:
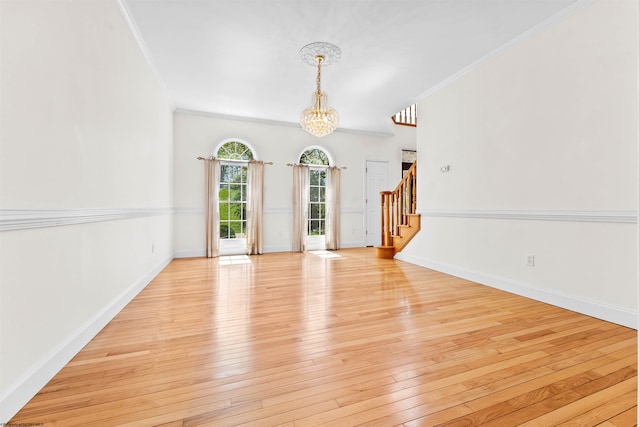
(625, 217)
(20, 219)
(266, 211)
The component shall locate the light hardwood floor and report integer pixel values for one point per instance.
(340, 339)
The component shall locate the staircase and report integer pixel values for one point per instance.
(400, 223)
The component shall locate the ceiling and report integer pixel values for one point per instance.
(239, 58)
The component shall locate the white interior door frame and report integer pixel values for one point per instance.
(376, 180)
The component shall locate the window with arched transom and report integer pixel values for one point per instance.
(318, 160)
(234, 155)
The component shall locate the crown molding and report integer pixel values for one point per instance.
(558, 16)
(194, 112)
(135, 31)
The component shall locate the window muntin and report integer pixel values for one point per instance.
(317, 212)
(314, 156)
(234, 150)
(317, 160)
(232, 201)
(232, 195)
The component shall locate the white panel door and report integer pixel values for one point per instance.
(377, 178)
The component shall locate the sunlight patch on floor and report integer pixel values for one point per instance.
(234, 259)
(325, 254)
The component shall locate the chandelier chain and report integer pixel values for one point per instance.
(319, 119)
(319, 59)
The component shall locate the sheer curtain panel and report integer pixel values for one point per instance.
(211, 215)
(332, 197)
(300, 207)
(255, 189)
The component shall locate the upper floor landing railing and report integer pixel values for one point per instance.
(407, 117)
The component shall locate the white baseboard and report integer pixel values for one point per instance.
(277, 248)
(353, 244)
(18, 394)
(618, 315)
(201, 253)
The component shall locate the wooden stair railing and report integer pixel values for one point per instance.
(407, 117)
(399, 219)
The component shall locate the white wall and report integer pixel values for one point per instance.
(199, 134)
(85, 140)
(542, 143)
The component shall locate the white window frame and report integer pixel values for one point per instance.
(238, 245)
(318, 242)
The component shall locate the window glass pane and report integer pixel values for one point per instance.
(321, 194)
(224, 173)
(321, 212)
(322, 180)
(236, 228)
(224, 211)
(222, 152)
(321, 228)
(314, 212)
(235, 173)
(235, 192)
(223, 193)
(314, 193)
(224, 230)
(228, 173)
(314, 227)
(313, 177)
(234, 148)
(235, 211)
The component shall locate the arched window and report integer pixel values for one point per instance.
(234, 156)
(234, 150)
(318, 159)
(314, 156)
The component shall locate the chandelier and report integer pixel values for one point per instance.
(319, 119)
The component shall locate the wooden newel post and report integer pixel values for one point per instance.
(386, 218)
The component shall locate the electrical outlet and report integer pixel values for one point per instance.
(531, 260)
